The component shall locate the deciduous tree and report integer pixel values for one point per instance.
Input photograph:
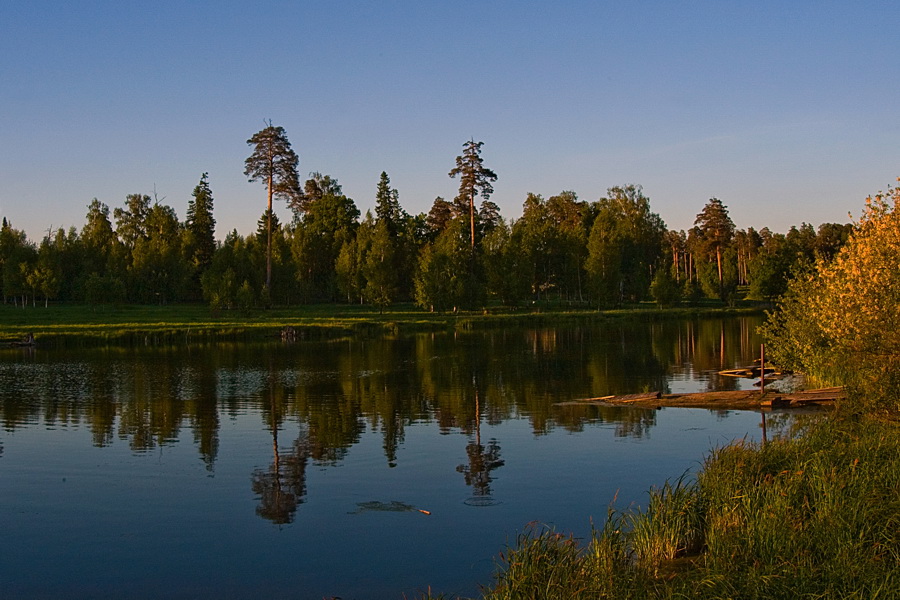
(625, 246)
(843, 322)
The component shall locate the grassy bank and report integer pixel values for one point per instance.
(193, 322)
(814, 516)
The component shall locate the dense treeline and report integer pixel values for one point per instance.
(459, 255)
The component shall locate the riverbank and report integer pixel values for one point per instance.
(816, 515)
(197, 323)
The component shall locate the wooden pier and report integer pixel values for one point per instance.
(733, 400)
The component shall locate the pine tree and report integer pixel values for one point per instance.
(716, 230)
(274, 162)
(474, 178)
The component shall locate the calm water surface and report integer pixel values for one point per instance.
(302, 470)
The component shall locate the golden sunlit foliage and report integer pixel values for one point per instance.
(843, 322)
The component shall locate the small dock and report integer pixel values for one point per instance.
(730, 400)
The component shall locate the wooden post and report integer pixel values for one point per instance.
(762, 385)
(762, 368)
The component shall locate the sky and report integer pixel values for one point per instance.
(785, 110)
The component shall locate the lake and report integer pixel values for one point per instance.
(358, 468)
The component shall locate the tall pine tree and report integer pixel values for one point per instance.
(474, 178)
(274, 162)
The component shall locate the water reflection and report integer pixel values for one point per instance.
(482, 460)
(281, 486)
(332, 392)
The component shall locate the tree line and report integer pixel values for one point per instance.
(461, 254)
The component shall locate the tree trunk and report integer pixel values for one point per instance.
(719, 263)
(472, 218)
(269, 239)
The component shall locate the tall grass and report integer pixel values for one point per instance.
(671, 527)
(816, 515)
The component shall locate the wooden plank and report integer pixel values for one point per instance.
(636, 397)
(598, 399)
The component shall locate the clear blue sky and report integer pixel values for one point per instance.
(787, 111)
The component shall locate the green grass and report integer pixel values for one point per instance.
(195, 322)
(813, 516)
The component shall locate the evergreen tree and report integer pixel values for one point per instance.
(438, 217)
(274, 162)
(474, 178)
(387, 205)
(716, 230)
(488, 217)
(200, 227)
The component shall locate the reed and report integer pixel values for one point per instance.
(671, 527)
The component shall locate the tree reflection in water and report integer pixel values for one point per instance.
(281, 487)
(482, 459)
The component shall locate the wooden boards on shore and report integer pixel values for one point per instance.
(733, 399)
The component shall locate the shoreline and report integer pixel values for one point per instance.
(198, 324)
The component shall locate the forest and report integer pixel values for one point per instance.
(462, 254)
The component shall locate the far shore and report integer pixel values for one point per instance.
(190, 323)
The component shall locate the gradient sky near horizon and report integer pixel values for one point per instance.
(786, 111)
